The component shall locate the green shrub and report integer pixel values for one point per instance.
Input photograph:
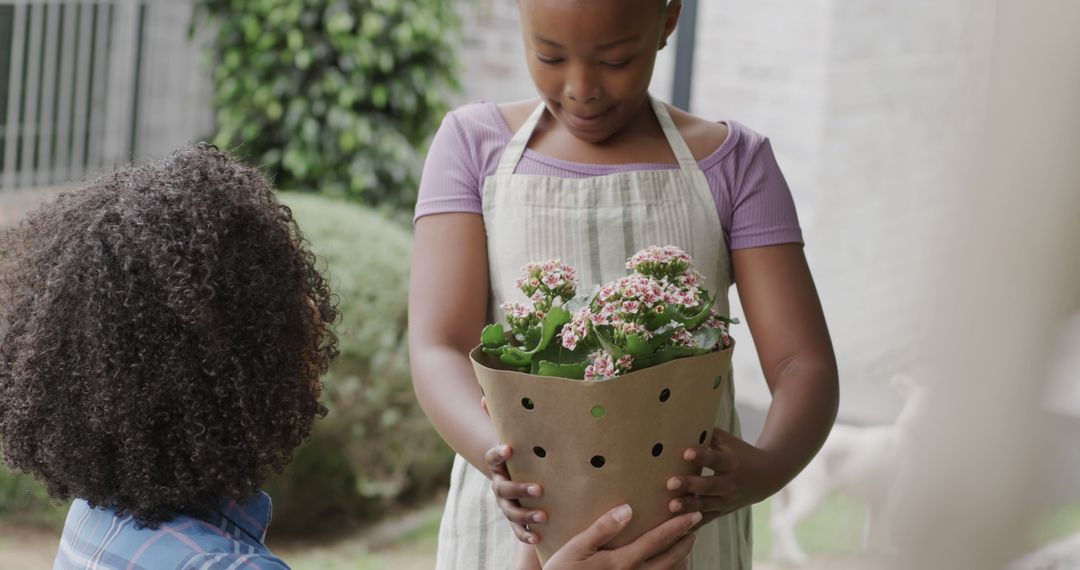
(24, 500)
(375, 423)
(336, 96)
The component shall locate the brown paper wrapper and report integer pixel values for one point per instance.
(593, 446)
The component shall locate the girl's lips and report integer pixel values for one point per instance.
(585, 122)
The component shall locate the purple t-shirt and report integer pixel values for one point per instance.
(752, 197)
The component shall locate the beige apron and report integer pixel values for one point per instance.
(593, 224)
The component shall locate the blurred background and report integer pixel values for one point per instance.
(875, 111)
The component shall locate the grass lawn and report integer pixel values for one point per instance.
(1056, 524)
(835, 528)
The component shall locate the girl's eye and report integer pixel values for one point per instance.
(549, 60)
(615, 64)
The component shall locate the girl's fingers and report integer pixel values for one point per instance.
(525, 535)
(673, 558)
(507, 489)
(496, 456)
(720, 437)
(721, 460)
(713, 485)
(658, 540)
(586, 543)
(517, 514)
(694, 504)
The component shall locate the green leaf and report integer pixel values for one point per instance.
(515, 356)
(380, 96)
(340, 23)
(657, 320)
(637, 346)
(274, 110)
(555, 319)
(609, 345)
(668, 354)
(695, 321)
(570, 371)
(303, 59)
(555, 353)
(493, 336)
(294, 38)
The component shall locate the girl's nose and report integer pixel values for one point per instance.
(582, 85)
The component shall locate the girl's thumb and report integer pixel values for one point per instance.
(603, 531)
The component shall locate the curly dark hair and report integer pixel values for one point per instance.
(162, 334)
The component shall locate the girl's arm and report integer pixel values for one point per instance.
(784, 314)
(448, 295)
(785, 318)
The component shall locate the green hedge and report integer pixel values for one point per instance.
(23, 500)
(335, 96)
(376, 448)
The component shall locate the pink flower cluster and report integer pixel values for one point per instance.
(658, 261)
(548, 280)
(604, 366)
(520, 316)
(576, 329)
(623, 314)
(626, 303)
(715, 322)
(682, 337)
(546, 285)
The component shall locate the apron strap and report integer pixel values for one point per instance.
(509, 161)
(516, 148)
(678, 145)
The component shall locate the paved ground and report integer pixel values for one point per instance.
(26, 549)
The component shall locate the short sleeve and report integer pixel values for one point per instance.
(451, 178)
(762, 208)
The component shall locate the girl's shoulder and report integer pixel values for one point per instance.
(478, 132)
(704, 137)
(723, 143)
(492, 119)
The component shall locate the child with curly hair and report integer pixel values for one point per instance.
(162, 335)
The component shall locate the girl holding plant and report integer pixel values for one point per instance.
(593, 171)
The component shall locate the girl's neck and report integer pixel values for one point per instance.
(641, 140)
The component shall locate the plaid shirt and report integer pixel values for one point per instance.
(230, 539)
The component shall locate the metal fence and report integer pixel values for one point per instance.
(90, 83)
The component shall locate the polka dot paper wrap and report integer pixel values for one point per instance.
(593, 446)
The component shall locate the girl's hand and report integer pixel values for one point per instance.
(744, 475)
(665, 547)
(508, 492)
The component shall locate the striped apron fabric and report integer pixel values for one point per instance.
(593, 224)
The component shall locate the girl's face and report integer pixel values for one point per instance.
(592, 60)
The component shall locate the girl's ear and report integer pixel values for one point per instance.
(671, 19)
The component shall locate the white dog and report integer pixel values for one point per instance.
(861, 462)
